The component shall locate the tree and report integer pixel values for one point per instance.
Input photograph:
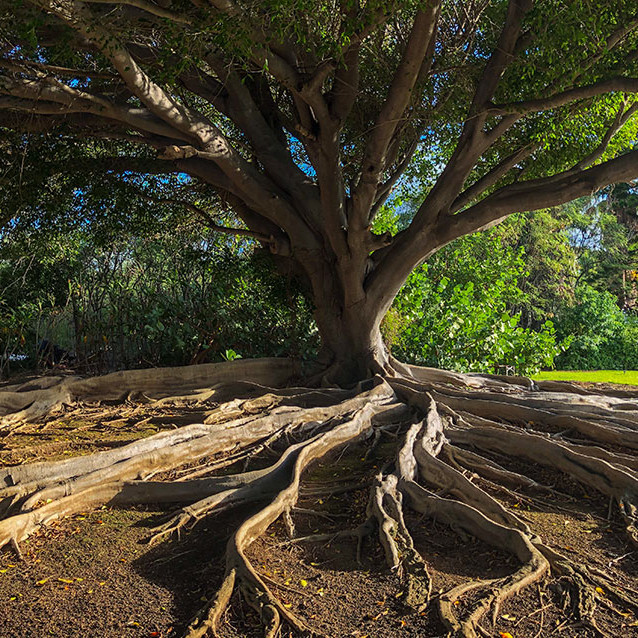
(607, 236)
(303, 129)
(301, 117)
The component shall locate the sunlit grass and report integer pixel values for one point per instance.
(629, 377)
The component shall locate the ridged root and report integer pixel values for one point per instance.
(460, 444)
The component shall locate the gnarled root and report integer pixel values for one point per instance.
(455, 462)
(26, 403)
(283, 480)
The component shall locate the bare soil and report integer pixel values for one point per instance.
(94, 574)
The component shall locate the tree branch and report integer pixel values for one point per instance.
(242, 109)
(385, 189)
(618, 84)
(50, 90)
(473, 142)
(205, 216)
(399, 95)
(539, 193)
(413, 245)
(345, 86)
(492, 177)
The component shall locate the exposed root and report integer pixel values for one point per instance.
(284, 479)
(27, 403)
(444, 469)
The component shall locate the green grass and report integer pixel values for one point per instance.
(630, 377)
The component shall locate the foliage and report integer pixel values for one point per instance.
(171, 298)
(603, 336)
(551, 263)
(605, 238)
(454, 312)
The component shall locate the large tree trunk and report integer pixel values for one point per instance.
(347, 318)
(352, 344)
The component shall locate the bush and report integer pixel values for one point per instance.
(169, 299)
(453, 312)
(603, 337)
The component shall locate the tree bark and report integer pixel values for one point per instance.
(352, 346)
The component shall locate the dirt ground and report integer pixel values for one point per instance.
(95, 575)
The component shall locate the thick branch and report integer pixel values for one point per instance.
(399, 95)
(414, 245)
(492, 177)
(536, 194)
(502, 55)
(50, 92)
(618, 84)
(275, 157)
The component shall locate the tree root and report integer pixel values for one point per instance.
(454, 423)
(27, 403)
(288, 471)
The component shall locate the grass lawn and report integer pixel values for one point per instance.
(629, 377)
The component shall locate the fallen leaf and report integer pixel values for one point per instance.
(66, 580)
(39, 583)
(303, 583)
(600, 590)
(505, 634)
